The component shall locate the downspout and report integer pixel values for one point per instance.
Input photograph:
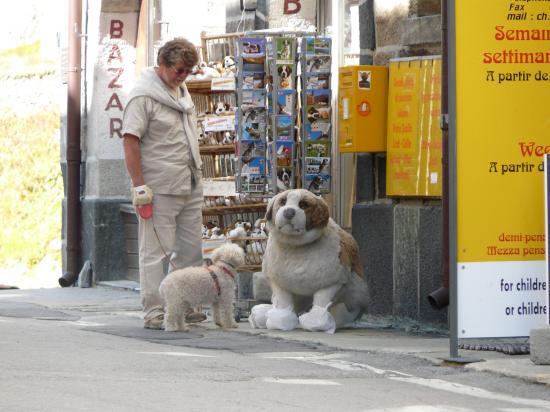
(73, 145)
(439, 299)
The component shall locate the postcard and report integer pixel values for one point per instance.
(319, 46)
(255, 166)
(315, 81)
(249, 149)
(317, 165)
(317, 148)
(317, 183)
(284, 178)
(253, 131)
(254, 115)
(284, 152)
(283, 127)
(318, 98)
(253, 80)
(284, 76)
(252, 177)
(318, 64)
(285, 102)
(252, 99)
(285, 47)
(253, 46)
(318, 114)
(317, 131)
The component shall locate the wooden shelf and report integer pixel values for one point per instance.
(242, 208)
(204, 87)
(217, 149)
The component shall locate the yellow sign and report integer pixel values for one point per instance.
(502, 132)
(414, 135)
(503, 128)
(362, 108)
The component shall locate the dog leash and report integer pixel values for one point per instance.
(162, 249)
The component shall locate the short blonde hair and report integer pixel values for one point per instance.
(178, 50)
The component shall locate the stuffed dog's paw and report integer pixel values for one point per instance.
(318, 319)
(282, 319)
(258, 316)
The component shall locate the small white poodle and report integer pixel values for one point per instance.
(190, 287)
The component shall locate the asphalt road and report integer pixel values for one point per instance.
(103, 360)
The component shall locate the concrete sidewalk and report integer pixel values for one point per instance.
(119, 299)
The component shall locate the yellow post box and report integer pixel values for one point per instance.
(362, 108)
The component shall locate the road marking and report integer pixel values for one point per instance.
(424, 408)
(328, 360)
(321, 382)
(177, 354)
(82, 323)
(471, 391)
(11, 295)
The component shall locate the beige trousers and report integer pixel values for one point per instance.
(177, 220)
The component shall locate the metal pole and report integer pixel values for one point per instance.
(73, 144)
(449, 87)
(151, 33)
(337, 61)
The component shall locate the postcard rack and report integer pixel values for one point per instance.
(283, 119)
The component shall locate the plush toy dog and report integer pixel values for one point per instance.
(313, 267)
(193, 286)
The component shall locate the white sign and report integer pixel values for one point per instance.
(219, 123)
(219, 188)
(223, 83)
(509, 303)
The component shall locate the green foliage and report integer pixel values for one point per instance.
(32, 188)
(32, 49)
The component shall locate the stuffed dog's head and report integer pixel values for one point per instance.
(297, 216)
(221, 107)
(229, 63)
(229, 253)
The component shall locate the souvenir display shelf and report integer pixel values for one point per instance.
(219, 158)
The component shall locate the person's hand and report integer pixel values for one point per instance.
(142, 195)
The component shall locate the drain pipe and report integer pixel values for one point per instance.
(73, 145)
(439, 299)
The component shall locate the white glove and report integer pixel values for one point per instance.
(142, 195)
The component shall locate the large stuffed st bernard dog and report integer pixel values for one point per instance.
(312, 265)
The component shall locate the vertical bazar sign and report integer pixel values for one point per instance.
(502, 133)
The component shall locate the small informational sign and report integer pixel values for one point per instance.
(219, 187)
(502, 122)
(219, 123)
(414, 136)
(223, 83)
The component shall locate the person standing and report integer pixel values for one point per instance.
(163, 160)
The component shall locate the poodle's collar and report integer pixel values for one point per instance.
(215, 277)
(228, 264)
(228, 272)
